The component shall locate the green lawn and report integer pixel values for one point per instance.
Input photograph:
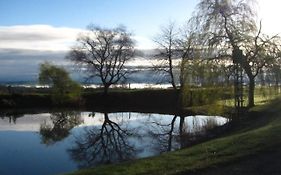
(263, 94)
(254, 136)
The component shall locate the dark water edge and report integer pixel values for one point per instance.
(17, 105)
(157, 101)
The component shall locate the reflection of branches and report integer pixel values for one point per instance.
(106, 144)
(11, 116)
(177, 135)
(171, 134)
(62, 123)
(166, 135)
(196, 130)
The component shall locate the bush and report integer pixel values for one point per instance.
(64, 89)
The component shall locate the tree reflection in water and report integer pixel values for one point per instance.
(108, 143)
(171, 135)
(11, 116)
(60, 126)
(167, 136)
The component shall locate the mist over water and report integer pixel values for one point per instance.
(21, 67)
(145, 77)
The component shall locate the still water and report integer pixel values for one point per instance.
(52, 143)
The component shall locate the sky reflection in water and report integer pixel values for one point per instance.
(51, 143)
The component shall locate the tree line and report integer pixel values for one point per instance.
(202, 53)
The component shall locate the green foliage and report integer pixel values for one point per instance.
(204, 96)
(64, 89)
(206, 73)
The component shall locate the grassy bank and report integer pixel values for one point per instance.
(251, 144)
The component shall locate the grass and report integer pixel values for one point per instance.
(256, 135)
(263, 94)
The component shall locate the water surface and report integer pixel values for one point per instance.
(52, 143)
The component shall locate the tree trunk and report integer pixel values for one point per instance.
(105, 89)
(172, 74)
(251, 93)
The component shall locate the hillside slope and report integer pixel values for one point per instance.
(253, 147)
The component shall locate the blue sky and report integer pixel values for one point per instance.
(78, 13)
(33, 31)
(142, 17)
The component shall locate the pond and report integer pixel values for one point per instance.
(59, 142)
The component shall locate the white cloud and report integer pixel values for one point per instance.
(23, 48)
(48, 38)
(269, 12)
(37, 37)
(143, 42)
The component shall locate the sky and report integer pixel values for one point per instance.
(142, 17)
(32, 31)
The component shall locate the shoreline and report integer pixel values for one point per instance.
(162, 101)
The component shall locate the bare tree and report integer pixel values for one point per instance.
(104, 52)
(167, 52)
(229, 29)
(176, 47)
(186, 50)
(259, 52)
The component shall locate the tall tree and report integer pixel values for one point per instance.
(166, 42)
(188, 51)
(230, 30)
(176, 46)
(259, 51)
(104, 52)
